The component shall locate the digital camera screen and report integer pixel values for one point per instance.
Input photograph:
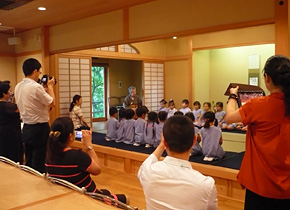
(79, 135)
(245, 97)
(43, 79)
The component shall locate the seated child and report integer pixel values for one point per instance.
(232, 126)
(140, 125)
(162, 116)
(120, 131)
(129, 127)
(220, 115)
(112, 125)
(150, 129)
(171, 108)
(211, 138)
(197, 113)
(172, 183)
(206, 108)
(163, 105)
(241, 127)
(185, 108)
(196, 149)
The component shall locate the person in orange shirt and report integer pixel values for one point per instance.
(265, 170)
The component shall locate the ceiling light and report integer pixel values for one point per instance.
(174, 37)
(41, 8)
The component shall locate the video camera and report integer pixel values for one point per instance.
(45, 79)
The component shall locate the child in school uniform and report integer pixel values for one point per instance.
(162, 105)
(211, 138)
(162, 116)
(129, 127)
(185, 108)
(206, 108)
(122, 120)
(112, 125)
(150, 129)
(197, 113)
(171, 108)
(196, 149)
(219, 115)
(140, 125)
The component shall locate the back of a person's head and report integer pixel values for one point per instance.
(61, 128)
(277, 68)
(178, 113)
(129, 114)
(185, 101)
(122, 113)
(30, 65)
(4, 87)
(209, 117)
(140, 111)
(152, 117)
(178, 132)
(162, 116)
(190, 116)
(113, 110)
(146, 109)
(196, 103)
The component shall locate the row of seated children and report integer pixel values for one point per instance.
(198, 113)
(135, 132)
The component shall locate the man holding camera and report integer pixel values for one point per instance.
(33, 102)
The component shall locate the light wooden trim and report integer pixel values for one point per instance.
(126, 23)
(180, 34)
(7, 54)
(233, 45)
(28, 53)
(281, 28)
(177, 58)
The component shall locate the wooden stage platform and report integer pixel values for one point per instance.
(129, 162)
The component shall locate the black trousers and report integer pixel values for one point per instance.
(257, 202)
(35, 140)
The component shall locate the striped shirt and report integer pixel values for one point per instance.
(73, 167)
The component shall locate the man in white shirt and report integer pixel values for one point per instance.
(172, 183)
(33, 102)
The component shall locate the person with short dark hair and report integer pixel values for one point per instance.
(33, 102)
(10, 128)
(112, 125)
(140, 125)
(162, 117)
(162, 105)
(185, 108)
(265, 170)
(132, 100)
(129, 127)
(121, 130)
(74, 166)
(173, 183)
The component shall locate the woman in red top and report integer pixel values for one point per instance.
(265, 170)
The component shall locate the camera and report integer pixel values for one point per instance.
(45, 79)
(79, 134)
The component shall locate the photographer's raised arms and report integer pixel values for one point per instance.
(32, 100)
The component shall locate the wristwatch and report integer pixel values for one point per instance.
(89, 148)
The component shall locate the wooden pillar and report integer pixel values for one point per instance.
(281, 27)
(45, 49)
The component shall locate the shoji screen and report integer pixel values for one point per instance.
(153, 85)
(74, 78)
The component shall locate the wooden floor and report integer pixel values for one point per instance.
(120, 182)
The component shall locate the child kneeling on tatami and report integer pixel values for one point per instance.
(140, 125)
(211, 138)
(112, 125)
(129, 127)
(150, 130)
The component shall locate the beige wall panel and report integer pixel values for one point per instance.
(103, 28)
(4, 47)
(176, 47)
(258, 34)
(167, 16)
(7, 70)
(30, 41)
(151, 48)
(176, 81)
(19, 63)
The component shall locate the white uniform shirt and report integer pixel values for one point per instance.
(76, 114)
(173, 184)
(32, 101)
